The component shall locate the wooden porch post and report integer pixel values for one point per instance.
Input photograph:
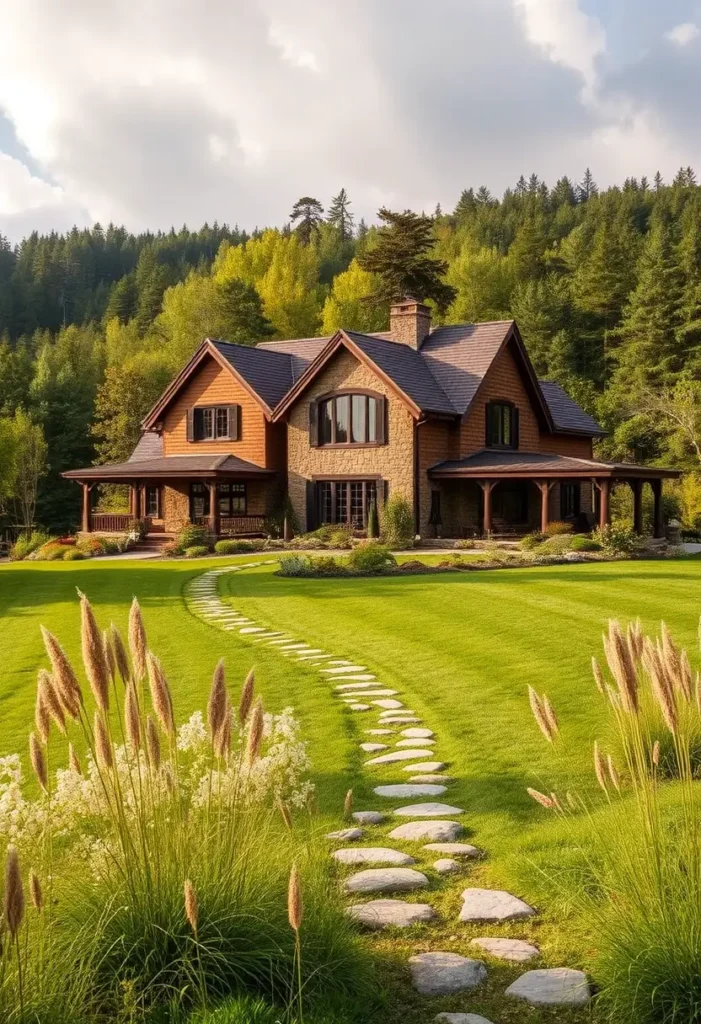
(604, 503)
(487, 488)
(658, 517)
(87, 524)
(133, 500)
(637, 488)
(213, 508)
(545, 488)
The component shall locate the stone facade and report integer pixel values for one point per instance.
(261, 497)
(410, 323)
(392, 461)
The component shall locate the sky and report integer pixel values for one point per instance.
(153, 113)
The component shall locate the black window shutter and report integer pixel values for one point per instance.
(234, 422)
(514, 426)
(383, 490)
(311, 505)
(190, 424)
(314, 424)
(381, 420)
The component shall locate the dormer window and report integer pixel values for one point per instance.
(347, 418)
(502, 425)
(213, 423)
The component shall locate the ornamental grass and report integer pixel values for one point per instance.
(644, 851)
(159, 872)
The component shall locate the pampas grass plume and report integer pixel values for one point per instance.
(74, 761)
(153, 743)
(103, 746)
(137, 640)
(541, 798)
(93, 655)
(110, 659)
(120, 653)
(192, 907)
(35, 893)
(255, 732)
(294, 900)
(246, 697)
(348, 805)
(50, 700)
(600, 767)
(63, 675)
(218, 700)
(160, 694)
(38, 761)
(42, 718)
(132, 721)
(13, 901)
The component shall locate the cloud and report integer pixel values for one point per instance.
(160, 113)
(683, 34)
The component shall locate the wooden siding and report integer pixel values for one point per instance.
(211, 384)
(437, 442)
(563, 444)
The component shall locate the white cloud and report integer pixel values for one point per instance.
(683, 34)
(568, 35)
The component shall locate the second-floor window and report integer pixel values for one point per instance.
(213, 423)
(348, 419)
(502, 425)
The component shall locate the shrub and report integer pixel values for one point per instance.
(328, 564)
(616, 539)
(171, 549)
(580, 543)
(296, 565)
(556, 545)
(465, 545)
(191, 536)
(73, 555)
(196, 551)
(308, 541)
(92, 546)
(24, 546)
(234, 547)
(50, 552)
(112, 546)
(557, 527)
(531, 541)
(397, 522)
(139, 527)
(371, 557)
(373, 522)
(341, 538)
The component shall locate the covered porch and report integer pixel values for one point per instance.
(513, 493)
(228, 496)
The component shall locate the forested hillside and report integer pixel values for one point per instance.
(605, 286)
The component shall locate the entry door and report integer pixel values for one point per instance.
(199, 502)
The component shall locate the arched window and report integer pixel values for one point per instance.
(348, 418)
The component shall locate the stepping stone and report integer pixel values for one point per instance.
(460, 1018)
(294, 647)
(398, 755)
(425, 766)
(368, 817)
(398, 713)
(400, 791)
(346, 835)
(359, 707)
(397, 721)
(362, 678)
(386, 880)
(341, 669)
(412, 741)
(252, 629)
(438, 831)
(372, 855)
(443, 974)
(453, 849)
(507, 949)
(372, 748)
(339, 661)
(275, 643)
(308, 654)
(418, 734)
(378, 732)
(388, 703)
(493, 905)
(427, 810)
(379, 914)
(560, 986)
(446, 865)
(430, 779)
(350, 686)
(368, 693)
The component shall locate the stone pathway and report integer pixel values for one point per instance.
(433, 825)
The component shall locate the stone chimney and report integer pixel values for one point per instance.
(409, 322)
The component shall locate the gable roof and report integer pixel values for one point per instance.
(567, 415)
(459, 356)
(407, 369)
(149, 446)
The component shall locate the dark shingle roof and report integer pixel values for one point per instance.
(268, 373)
(149, 446)
(408, 369)
(174, 465)
(458, 357)
(302, 351)
(566, 414)
(488, 461)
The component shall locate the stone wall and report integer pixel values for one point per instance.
(261, 496)
(393, 461)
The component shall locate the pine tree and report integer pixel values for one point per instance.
(465, 205)
(239, 309)
(484, 196)
(401, 259)
(310, 213)
(521, 186)
(587, 187)
(340, 216)
(564, 193)
(659, 181)
(689, 258)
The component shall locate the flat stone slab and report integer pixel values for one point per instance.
(388, 702)
(386, 880)
(372, 855)
(425, 766)
(397, 721)
(427, 810)
(412, 742)
(430, 779)
(493, 905)
(366, 693)
(359, 707)
(460, 1018)
(453, 849)
(378, 914)
(397, 712)
(379, 732)
(515, 950)
(368, 817)
(372, 748)
(559, 986)
(352, 686)
(439, 831)
(446, 865)
(399, 755)
(418, 734)
(346, 835)
(442, 974)
(340, 670)
(401, 790)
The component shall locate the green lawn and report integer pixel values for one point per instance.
(462, 650)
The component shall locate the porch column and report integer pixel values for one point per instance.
(213, 508)
(658, 516)
(545, 488)
(487, 488)
(604, 503)
(637, 488)
(133, 500)
(87, 524)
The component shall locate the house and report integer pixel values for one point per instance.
(454, 418)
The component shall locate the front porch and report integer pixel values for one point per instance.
(511, 494)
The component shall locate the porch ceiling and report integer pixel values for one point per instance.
(496, 465)
(199, 467)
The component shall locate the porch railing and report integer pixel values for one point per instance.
(232, 526)
(107, 522)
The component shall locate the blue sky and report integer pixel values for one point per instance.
(169, 112)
